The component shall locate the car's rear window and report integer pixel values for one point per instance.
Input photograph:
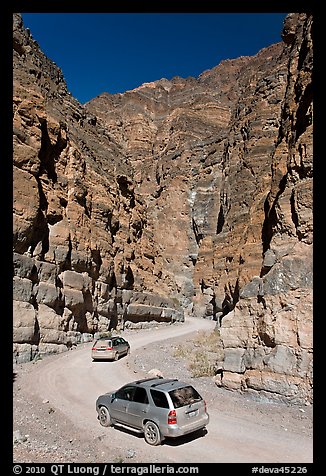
(184, 396)
(102, 342)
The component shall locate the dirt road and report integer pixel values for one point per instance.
(71, 382)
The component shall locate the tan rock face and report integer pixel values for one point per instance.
(183, 196)
(272, 320)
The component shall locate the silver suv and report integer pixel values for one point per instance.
(157, 407)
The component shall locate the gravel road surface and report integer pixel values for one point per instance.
(55, 418)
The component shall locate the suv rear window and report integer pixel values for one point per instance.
(184, 396)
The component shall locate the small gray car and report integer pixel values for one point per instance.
(110, 348)
(156, 407)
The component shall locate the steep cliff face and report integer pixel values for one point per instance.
(77, 218)
(183, 196)
(199, 147)
(267, 338)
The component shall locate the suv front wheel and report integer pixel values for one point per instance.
(104, 417)
(152, 433)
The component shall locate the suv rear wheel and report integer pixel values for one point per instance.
(152, 433)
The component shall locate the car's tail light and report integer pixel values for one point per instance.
(172, 417)
(109, 348)
(93, 348)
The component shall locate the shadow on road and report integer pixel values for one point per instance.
(181, 440)
(109, 360)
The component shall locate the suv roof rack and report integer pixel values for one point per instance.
(148, 379)
(163, 381)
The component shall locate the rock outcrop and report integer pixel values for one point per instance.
(183, 196)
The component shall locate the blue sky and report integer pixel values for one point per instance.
(115, 52)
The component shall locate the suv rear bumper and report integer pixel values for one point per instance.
(174, 431)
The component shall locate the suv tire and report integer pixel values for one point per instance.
(104, 417)
(152, 433)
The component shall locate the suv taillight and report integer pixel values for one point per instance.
(172, 417)
(109, 348)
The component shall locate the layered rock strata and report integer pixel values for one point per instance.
(268, 337)
(183, 196)
(77, 219)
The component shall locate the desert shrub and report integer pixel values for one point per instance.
(201, 353)
(201, 365)
(105, 335)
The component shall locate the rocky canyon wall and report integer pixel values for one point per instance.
(78, 220)
(181, 197)
(268, 337)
